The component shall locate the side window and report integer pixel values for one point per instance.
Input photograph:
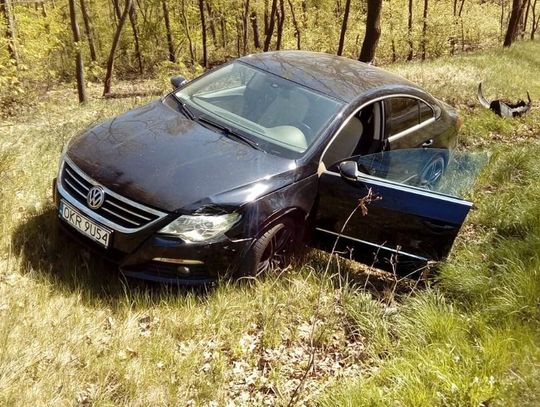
(401, 114)
(361, 135)
(425, 111)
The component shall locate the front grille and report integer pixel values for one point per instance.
(116, 211)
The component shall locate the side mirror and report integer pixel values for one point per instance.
(349, 170)
(177, 81)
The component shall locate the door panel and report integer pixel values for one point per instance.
(420, 223)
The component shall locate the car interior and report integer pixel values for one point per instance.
(362, 135)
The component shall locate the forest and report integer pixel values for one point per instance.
(50, 41)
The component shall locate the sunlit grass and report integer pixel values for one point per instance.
(72, 331)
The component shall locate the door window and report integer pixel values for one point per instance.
(403, 113)
(361, 135)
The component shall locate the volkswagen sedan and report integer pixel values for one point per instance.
(227, 173)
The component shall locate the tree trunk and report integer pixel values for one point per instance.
(513, 23)
(344, 27)
(461, 8)
(117, 11)
(525, 19)
(116, 40)
(502, 16)
(424, 29)
(392, 32)
(245, 17)
(211, 23)
(269, 26)
(79, 66)
(203, 32)
(297, 32)
(534, 20)
(165, 7)
(255, 29)
(409, 31)
(89, 31)
(280, 22)
(223, 30)
(373, 31)
(11, 34)
(185, 23)
(135, 30)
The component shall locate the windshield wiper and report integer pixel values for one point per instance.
(184, 108)
(230, 132)
(187, 111)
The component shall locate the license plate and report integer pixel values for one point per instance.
(84, 225)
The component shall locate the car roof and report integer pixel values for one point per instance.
(336, 76)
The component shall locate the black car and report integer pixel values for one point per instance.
(227, 173)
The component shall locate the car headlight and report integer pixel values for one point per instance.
(198, 228)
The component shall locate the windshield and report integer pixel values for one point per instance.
(278, 114)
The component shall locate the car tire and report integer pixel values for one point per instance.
(432, 173)
(271, 250)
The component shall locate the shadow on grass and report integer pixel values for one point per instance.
(47, 253)
(346, 272)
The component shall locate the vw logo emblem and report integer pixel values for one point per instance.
(95, 197)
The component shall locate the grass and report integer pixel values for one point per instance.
(72, 331)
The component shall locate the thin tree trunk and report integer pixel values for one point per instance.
(238, 35)
(297, 32)
(116, 40)
(513, 23)
(211, 23)
(11, 33)
(424, 29)
(255, 29)
(525, 19)
(409, 31)
(269, 25)
(89, 31)
(245, 17)
(117, 11)
(79, 65)
(502, 16)
(223, 30)
(392, 33)
(135, 30)
(280, 22)
(534, 20)
(203, 32)
(170, 45)
(185, 23)
(461, 8)
(344, 27)
(373, 31)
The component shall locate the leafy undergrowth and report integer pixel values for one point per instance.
(72, 331)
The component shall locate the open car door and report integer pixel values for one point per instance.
(395, 209)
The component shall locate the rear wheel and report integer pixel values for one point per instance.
(431, 174)
(271, 250)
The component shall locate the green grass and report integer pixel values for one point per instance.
(72, 331)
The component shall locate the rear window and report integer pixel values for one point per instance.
(403, 113)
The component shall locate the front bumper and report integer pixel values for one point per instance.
(147, 255)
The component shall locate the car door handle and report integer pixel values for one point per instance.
(427, 143)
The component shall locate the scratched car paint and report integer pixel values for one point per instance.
(232, 170)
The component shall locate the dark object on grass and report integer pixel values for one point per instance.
(504, 108)
(229, 172)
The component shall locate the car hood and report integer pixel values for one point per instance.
(157, 156)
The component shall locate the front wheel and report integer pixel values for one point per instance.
(271, 250)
